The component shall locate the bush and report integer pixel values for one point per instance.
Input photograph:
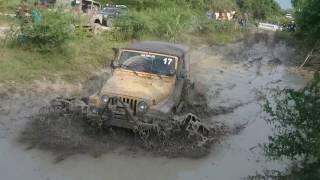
(8, 5)
(163, 23)
(296, 119)
(171, 22)
(52, 30)
(132, 25)
(307, 17)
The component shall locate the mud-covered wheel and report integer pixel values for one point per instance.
(59, 104)
(94, 123)
(193, 125)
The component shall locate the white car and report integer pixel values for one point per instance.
(269, 27)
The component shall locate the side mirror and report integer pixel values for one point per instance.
(183, 74)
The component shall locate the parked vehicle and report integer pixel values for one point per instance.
(269, 27)
(106, 16)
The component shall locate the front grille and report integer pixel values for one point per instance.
(132, 103)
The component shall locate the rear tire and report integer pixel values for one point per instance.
(97, 21)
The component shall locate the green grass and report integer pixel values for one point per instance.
(9, 6)
(222, 38)
(6, 21)
(78, 60)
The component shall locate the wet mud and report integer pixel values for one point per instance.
(70, 134)
(233, 79)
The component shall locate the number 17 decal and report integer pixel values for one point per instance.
(167, 61)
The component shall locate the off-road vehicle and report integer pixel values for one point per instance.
(148, 89)
(106, 16)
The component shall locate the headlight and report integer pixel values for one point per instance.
(142, 107)
(104, 99)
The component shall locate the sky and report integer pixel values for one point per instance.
(285, 4)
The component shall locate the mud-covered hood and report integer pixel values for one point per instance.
(150, 88)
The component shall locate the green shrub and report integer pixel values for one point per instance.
(8, 5)
(295, 117)
(132, 25)
(169, 23)
(52, 30)
(162, 23)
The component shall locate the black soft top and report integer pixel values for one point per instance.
(160, 47)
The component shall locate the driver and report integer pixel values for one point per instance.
(139, 63)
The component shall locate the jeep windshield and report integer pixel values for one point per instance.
(113, 11)
(148, 62)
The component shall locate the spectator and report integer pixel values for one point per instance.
(210, 14)
(35, 14)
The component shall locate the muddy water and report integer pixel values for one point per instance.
(228, 79)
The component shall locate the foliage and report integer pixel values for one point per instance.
(259, 9)
(295, 117)
(79, 59)
(153, 4)
(52, 31)
(218, 32)
(166, 24)
(132, 25)
(298, 3)
(8, 5)
(308, 19)
(296, 120)
(219, 5)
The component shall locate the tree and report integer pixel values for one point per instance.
(259, 9)
(308, 18)
(297, 3)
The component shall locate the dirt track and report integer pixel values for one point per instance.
(232, 77)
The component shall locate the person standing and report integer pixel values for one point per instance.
(35, 14)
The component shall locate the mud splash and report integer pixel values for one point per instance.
(68, 135)
(71, 134)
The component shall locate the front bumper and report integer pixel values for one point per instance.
(121, 115)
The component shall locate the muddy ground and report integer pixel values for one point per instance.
(233, 78)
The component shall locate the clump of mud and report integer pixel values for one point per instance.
(67, 135)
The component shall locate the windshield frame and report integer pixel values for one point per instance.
(177, 60)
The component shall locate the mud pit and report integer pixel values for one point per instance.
(233, 78)
(66, 133)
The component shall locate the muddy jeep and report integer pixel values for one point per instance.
(147, 89)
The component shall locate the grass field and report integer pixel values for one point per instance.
(77, 60)
(9, 6)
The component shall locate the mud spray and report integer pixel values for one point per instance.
(70, 133)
